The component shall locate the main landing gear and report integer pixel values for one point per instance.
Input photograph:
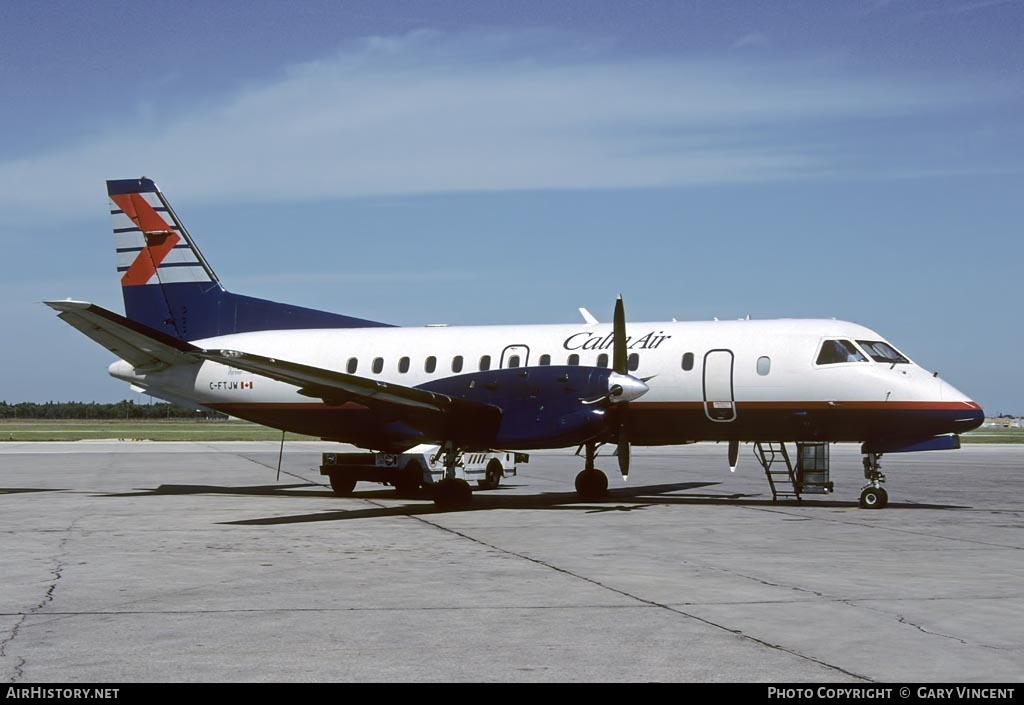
(873, 495)
(590, 482)
(452, 492)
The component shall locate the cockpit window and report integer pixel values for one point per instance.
(833, 351)
(882, 352)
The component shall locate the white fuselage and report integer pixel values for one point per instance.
(760, 368)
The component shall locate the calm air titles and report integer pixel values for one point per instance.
(593, 341)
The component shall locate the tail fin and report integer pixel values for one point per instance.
(168, 285)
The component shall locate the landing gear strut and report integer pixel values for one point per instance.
(452, 492)
(591, 483)
(873, 495)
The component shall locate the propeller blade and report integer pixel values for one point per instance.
(734, 455)
(280, 455)
(623, 453)
(619, 338)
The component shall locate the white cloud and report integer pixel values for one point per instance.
(429, 113)
(751, 39)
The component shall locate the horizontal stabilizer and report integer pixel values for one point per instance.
(139, 345)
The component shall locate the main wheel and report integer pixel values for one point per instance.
(591, 484)
(407, 482)
(874, 498)
(452, 493)
(342, 485)
(493, 478)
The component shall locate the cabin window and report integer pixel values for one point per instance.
(457, 363)
(513, 361)
(764, 365)
(485, 363)
(403, 365)
(353, 365)
(574, 359)
(602, 360)
(545, 360)
(430, 364)
(687, 361)
(882, 352)
(378, 365)
(633, 362)
(833, 351)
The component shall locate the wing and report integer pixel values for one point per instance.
(141, 346)
(339, 387)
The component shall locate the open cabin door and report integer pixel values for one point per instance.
(719, 402)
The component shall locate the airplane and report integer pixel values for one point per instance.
(186, 339)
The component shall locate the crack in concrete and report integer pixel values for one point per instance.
(762, 581)
(57, 572)
(903, 620)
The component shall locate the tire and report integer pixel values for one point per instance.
(591, 484)
(873, 498)
(452, 494)
(493, 477)
(885, 498)
(342, 485)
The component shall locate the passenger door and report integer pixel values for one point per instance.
(515, 356)
(719, 402)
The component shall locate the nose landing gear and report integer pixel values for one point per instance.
(873, 495)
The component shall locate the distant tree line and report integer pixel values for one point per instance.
(78, 410)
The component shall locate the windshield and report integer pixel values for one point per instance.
(833, 351)
(882, 352)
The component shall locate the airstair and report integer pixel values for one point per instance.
(810, 474)
(774, 458)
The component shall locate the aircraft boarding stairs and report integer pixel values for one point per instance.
(788, 480)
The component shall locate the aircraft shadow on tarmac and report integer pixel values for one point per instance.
(19, 490)
(634, 498)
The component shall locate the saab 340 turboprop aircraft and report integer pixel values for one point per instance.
(186, 339)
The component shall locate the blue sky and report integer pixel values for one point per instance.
(494, 162)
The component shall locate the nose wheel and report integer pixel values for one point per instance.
(873, 495)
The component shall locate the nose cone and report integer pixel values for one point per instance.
(971, 419)
(966, 415)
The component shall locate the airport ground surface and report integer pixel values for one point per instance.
(187, 562)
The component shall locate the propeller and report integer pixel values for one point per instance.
(622, 386)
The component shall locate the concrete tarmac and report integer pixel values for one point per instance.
(142, 561)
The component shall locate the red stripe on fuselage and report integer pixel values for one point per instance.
(751, 405)
(159, 237)
(819, 405)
